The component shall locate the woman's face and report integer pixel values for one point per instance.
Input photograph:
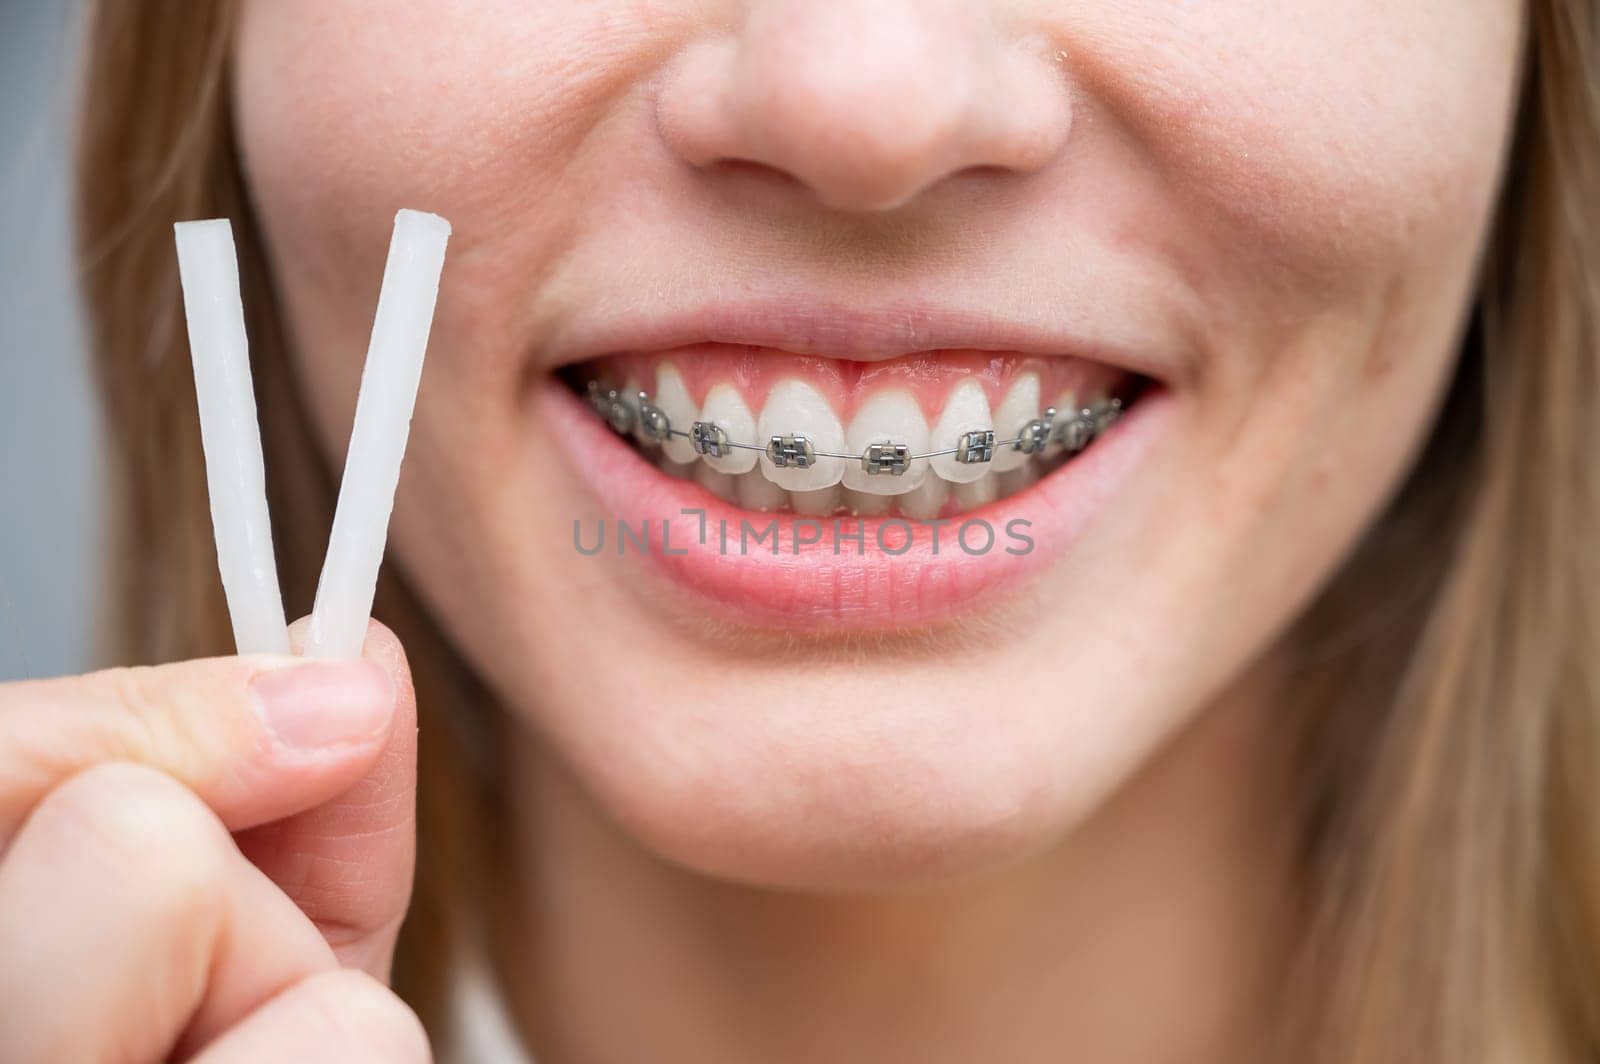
(862, 221)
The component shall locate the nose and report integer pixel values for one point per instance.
(866, 103)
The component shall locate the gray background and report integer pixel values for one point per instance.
(50, 458)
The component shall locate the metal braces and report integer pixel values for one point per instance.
(1074, 432)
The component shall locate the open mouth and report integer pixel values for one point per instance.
(809, 492)
(926, 436)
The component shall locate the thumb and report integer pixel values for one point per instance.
(348, 863)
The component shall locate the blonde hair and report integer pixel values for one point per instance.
(1450, 673)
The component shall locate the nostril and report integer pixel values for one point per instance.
(738, 167)
(983, 171)
(986, 170)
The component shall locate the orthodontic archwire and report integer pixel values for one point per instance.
(1074, 432)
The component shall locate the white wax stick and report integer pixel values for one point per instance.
(378, 438)
(208, 269)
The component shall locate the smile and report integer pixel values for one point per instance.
(924, 437)
(932, 468)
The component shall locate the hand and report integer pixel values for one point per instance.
(209, 859)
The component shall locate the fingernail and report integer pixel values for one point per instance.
(324, 703)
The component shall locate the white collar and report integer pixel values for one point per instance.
(481, 1028)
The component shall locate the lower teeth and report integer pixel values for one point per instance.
(1049, 440)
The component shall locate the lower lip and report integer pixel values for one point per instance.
(915, 582)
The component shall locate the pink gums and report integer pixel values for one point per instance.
(929, 375)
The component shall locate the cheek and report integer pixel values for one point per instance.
(1335, 168)
(481, 111)
(1323, 179)
(1308, 144)
(342, 104)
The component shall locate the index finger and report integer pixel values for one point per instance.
(256, 738)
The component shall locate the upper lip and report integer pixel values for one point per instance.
(837, 330)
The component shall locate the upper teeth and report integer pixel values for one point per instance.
(887, 421)
(802, 443)
(966, 412)
(887, 450)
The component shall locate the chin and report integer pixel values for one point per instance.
(824, 793)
